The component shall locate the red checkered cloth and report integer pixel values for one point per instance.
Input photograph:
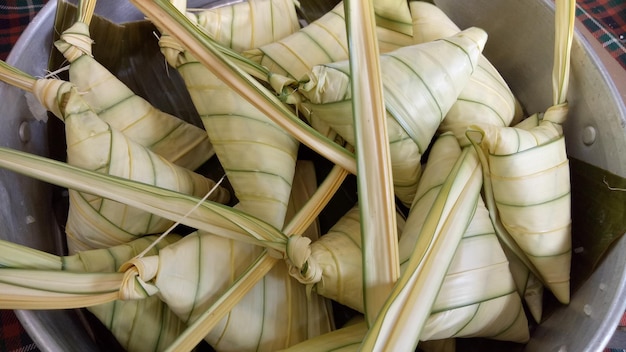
(606, 20)
(13, 338)
(14, 17)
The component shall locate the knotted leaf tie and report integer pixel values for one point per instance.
(75, 42)
(138, 274)
(556, 113)
(301, 265)
(171, 48)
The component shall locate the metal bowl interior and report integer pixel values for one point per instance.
(520, 46)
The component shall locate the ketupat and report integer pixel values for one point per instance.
(238, 73)
(307, 319)
(323, 41)
(419, 90)
(338, 256)
(486, 98)
(539, 220)
(297, 225)
(270, 326)
(492, 288)
(95, 289)
(259, 158)
(272, 312)
(95, 222)
(144, 284)
(528, 284)
(217, 261)
(527, 174)
(133, 323)
(479, 259)
(507, 320)
(175, 140)
(409, 305)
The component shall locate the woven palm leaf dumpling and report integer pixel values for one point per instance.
(257, 227)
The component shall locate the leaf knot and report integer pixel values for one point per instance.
(75, 42)
(138, 273)
(301, 265)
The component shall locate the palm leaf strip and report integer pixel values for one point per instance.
(376, 197)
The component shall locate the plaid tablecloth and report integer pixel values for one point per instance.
(14, 17)
(13, 338)
(605, 19)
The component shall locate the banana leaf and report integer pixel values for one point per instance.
(598, 216)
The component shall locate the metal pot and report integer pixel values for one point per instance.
(520, 46)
